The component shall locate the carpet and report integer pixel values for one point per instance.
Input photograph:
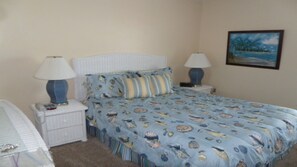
(92, 153)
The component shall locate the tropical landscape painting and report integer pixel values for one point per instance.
(255, 48)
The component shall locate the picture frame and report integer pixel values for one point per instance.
(257, 48)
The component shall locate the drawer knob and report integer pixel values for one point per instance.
(65, 120)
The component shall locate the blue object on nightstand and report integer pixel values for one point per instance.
(196, 75)
(57, 90)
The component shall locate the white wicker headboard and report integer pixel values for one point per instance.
(112, 63)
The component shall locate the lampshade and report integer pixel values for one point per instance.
(54, 68)
(197, 60)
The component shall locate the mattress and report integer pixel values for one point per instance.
(189, 128)
(20, 143)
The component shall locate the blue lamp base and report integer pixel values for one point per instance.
(196, 75)
(57, 91)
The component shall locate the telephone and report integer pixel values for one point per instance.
(44, 107)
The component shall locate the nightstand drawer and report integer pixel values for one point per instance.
(63, 120)
(210, 91)
(203, 88)
(62, 136)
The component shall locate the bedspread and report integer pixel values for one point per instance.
(189, 128)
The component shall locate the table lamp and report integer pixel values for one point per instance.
(56, 70)
(196, 62)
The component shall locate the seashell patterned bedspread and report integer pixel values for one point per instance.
(189, 128)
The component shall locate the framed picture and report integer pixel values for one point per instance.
(255, 48)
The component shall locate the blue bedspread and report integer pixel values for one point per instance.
(189, 128)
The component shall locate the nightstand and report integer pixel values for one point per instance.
(203, 88)
(62, 125)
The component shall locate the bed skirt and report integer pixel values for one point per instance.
(118, 148)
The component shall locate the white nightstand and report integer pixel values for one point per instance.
(203, 88)
(63, 125)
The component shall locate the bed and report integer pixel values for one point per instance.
(20, 143)
(180, 127)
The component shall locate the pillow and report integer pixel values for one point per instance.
(136, 87)
(161, 84)
(161, 71)
(104, 85)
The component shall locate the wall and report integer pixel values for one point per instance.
(31, 30)
(256, 84)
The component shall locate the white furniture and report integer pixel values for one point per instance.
(63, 125)
(112, 63)
(203, 88)
(17, 129)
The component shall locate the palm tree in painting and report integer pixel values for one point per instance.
(246, 45)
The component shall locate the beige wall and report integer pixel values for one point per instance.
(264, 85)
(31, 30)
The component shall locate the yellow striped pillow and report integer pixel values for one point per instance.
(137, 87)
(161, 84)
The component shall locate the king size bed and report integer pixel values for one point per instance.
(141, 117)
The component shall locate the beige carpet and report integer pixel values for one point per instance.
(87, 154)
(95, 154)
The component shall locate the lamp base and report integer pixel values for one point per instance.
(57, 91)
(196, 75)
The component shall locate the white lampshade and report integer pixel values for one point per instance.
(197, 60)
(54, 68)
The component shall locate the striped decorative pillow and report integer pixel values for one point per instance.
(137, 87)
(161, 84)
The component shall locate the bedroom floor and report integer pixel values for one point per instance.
(95, 154)
(91, 153)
